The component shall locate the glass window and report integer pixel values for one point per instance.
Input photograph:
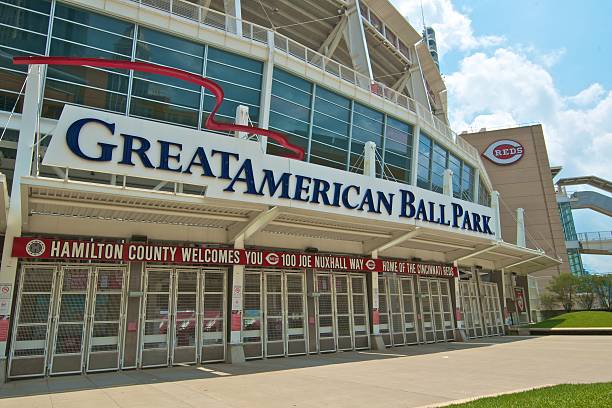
(438, 165)
(467, 183)
(424, 165)
(84, 34)
(93, 20)
(240, 78)
(454, 164)
(19, 17)
(483, 194)
(163, 112)
(398, 149)
(330, 127)
(93, 39)
(168, 50)
(290, 110)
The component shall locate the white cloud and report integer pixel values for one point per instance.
(453, 29)
(499, 84)
(506, 87)
(587, 96)
(548, 59)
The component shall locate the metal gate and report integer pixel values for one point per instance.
(155, 333)
(275, 328)
(276, 299)
(212, 314)
(33, 315)
(361, 325)
(470, 309)
(69, 319)
(296, 313)
(252, 315)
(324, 310)
(397, 310)
(183, 323)
(409, 303)
(344, 333)
(428, 333)
(491, 309)
(106, 320)
(437, 322)
(184, 316)
(341, 310)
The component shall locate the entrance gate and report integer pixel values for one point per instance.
(184, 316)
(491, 309)
(341, 312)
(470, 309)
(397, 307)
(274, 320)
(69, 319)
(436, 323)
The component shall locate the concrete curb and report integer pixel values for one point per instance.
(572, 330)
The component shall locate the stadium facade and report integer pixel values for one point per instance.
(233, 180)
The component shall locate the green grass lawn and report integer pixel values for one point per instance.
(565, 395)
(578, 319)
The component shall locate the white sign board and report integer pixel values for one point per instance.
(236, 169)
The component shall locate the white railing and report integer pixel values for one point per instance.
(595, 236)
(230, 25)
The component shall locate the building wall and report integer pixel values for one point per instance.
(526, 184)
(331, 128)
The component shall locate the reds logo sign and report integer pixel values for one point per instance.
(504, 152)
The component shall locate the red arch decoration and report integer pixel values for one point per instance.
(296, 151)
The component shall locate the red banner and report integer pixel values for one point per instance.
(43, 248)
(519, 295)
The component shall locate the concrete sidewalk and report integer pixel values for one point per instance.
(399, 377)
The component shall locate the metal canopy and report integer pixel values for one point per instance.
(84, 202)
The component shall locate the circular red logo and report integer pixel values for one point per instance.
(504, 152)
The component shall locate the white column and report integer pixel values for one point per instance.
(369, 169)
(23, 167)
(458, 316)
(356, 41)
(503, 295)
(375, 299)
(233, 21)
(266, 91)
(369, 159)
(242, 118)
(476, 190)
(496, 214)
(236, 350)
(520, 227)
(447, 184)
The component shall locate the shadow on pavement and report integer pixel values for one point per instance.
(69, 383)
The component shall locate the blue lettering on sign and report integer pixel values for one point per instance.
(289, 186)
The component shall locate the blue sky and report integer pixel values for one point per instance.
(544, 61)
(582, 29)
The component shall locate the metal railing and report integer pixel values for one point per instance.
(233, 26)
(595, 236)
